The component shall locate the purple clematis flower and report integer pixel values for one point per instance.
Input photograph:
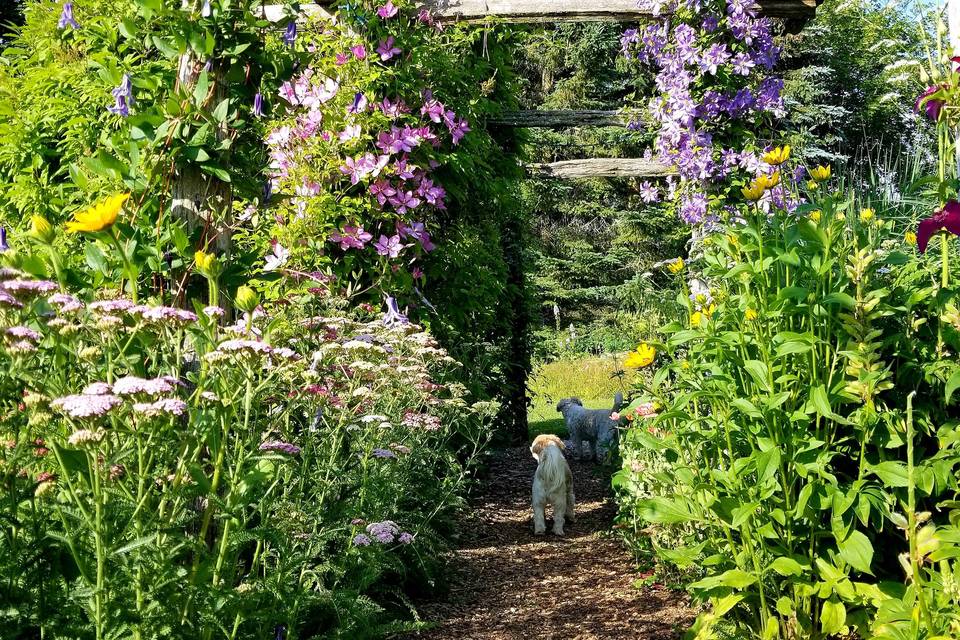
(359, 51)
(258, 105)
(931, 105)
(388, 49)
(123, 97)
(359, 104)
(3, 240)
(290, 35)
(393, 317)
(387, 11)
(66, 17)
(947, 219)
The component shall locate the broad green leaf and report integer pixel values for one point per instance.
(664, 511)
(833, 616)
(759, 372)
(857, 551)
(736, 578)
(892, 474)
(786, 566)
(952, 384)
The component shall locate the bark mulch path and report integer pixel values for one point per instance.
(507, 583)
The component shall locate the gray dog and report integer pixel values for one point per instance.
(592, 425)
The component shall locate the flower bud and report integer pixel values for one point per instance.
(246, 299)
(207, 263)
(41, 229)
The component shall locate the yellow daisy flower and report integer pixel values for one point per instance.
(816, 215)
(676, 266)
(754, 192)
(820, 173)
(777, 156)
(866, 215)
(750, 314)
(98, 217)
(640, 358)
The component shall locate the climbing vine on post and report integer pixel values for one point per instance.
(714, 90)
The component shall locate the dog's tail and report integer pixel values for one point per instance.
(617, 402)
(552, 468)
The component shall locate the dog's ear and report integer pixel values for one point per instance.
(576, 401)
(562, 404)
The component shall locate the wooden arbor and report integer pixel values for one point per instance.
(795, 12)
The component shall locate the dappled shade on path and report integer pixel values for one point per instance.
(507, 583)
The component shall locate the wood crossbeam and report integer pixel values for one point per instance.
(602, 168)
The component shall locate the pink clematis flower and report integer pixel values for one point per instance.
(387, 11)
(390, 247)
(359, 51)
(947, 219)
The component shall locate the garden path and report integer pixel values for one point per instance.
(507, 584)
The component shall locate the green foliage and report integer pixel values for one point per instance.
(851, 79)
(783, 457)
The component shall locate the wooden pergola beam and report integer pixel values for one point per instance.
(602, 168)
(559, 119)
(538, 11)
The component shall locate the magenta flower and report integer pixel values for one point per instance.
(459, 130)
(66, 17)
(342, 59)
(359, 51)
(931, 105)
(387, 11)
(351, 238)
(388, 49)
(281, 447)
(947, 219)
(390, 247)
(382, 191)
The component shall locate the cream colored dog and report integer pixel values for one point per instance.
(552, 484)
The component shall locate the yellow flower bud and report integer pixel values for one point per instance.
(910, 238)
(41, 229)
(866, 215)
(207, 263)
(816, 215)
(246, 299)
(750, 314)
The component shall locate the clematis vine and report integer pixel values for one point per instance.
(390, 247)
(692, 115)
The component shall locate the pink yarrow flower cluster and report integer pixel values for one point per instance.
(132, 385)
(86, 406)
